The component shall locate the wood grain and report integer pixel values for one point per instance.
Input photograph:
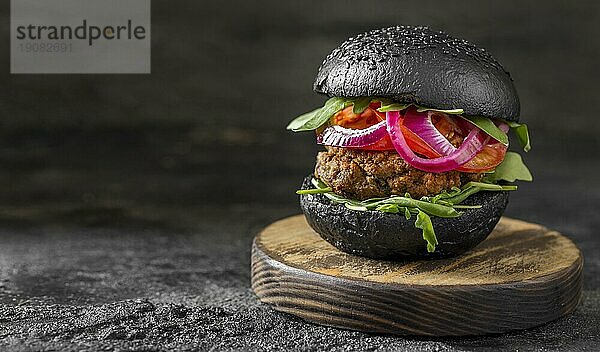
(522, 276)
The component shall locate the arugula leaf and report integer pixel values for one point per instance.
(474, 187)
(355, 207)
(407, 213)
(299, 121)
(447, 111)
(489, 127)
(439, 210)
(388, 106)
(331, 106)
(316, 118)
(360, 104)
(388, 208)
(459, 206)
(441, 205)
(423, 222)
(511, 169)
(440, 198)
(314, 191)
(522, 133)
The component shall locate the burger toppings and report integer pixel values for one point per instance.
(359, 113)
(397, 158)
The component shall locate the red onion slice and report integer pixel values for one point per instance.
(421, 125)
(337, 136)
(472, 144)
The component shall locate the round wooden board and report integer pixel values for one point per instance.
(522, 276)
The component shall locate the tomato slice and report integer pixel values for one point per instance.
(369, 117)
(486, 160)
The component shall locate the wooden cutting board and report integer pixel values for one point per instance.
(522, 276)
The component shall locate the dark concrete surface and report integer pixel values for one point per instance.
(129, 202)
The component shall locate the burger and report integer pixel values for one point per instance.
(415, 134)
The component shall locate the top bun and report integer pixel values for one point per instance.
(421, 66)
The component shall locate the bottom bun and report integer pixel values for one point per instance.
(376, 234)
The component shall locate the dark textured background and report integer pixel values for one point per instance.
(128, 203)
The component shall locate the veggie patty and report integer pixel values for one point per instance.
(363, 174)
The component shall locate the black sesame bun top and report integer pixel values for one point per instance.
(421, 66)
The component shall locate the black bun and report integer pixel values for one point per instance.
(421, 66)
(376, 234)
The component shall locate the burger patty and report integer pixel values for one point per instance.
(363, 174)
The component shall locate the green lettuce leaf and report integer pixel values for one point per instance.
(489, 127)
(299, 121)
(317, 118)
(522, 133)
(360, 104)
(388, 106)
(511, 169)
(455, 198)
(423, 222)
(447, 111)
